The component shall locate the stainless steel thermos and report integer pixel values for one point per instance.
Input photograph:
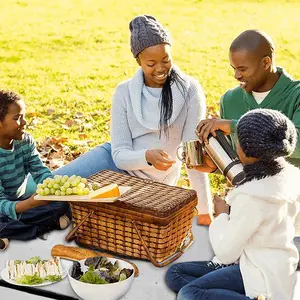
(220, 151)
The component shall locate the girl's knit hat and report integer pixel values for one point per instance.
(146, 31)
(266, 133)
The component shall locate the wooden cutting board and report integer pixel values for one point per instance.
(86, 198)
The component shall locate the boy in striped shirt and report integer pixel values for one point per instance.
(22, 217)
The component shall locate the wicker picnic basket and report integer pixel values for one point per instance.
(151, 221)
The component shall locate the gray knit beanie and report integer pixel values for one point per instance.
(266, 133)
(146, 31)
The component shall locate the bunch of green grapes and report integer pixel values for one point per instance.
(64, 185)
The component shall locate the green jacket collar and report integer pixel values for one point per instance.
(279, 87)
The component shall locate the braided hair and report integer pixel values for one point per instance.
(166, 100)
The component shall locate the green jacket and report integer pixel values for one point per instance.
(284, 96)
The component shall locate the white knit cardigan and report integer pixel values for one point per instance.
(135, 129)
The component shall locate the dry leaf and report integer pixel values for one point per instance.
(69, 123)
(78, 114)
(50, 111)
(83, 136)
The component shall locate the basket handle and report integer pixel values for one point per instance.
(169, 259)
(71, 235)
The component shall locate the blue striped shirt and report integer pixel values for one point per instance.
(15, 165)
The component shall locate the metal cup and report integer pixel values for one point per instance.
(193, 153)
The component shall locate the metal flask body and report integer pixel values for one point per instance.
(220, 151)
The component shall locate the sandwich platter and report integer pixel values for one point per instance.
(33, 272)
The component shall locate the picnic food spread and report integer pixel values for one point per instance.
(100, 271)
(65, 188)
(34, 270)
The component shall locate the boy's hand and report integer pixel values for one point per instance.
(159, 159)
(205, 127)
(29, 203)
(36, 203)
(220, 206)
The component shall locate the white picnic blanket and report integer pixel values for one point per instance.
(149, 285)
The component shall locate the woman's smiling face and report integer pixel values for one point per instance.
(156, 63)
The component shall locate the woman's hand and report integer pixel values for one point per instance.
(205, 127)
(29, 203)
(220, 206)
(159, 159)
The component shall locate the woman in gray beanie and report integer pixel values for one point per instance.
(152, 114)
(256, 257)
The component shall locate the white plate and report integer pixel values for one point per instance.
(123, 189)
(4, 276)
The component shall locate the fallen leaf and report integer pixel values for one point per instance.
(69, 123)
(50, 111)
(78, 114)
(83, 136)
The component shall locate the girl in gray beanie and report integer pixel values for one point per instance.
(256, 257)
(152, 114)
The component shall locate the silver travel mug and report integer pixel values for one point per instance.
(193, 153)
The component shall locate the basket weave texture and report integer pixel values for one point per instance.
(162, 215)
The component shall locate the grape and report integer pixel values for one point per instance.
(57, 178)
(69, 191)
(75, 190)
(95, 186)
(74, 183)
(56, 186)
(81, 185)
(84, 180)
(73, 177)
(65, 178)
(65, 185)
(40, 191)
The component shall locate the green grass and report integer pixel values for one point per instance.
(68, 55)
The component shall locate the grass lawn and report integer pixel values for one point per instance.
(66, 56)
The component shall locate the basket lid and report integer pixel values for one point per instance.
(146, 196)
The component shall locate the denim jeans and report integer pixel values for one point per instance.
(34, 222)
(96, 160)
(206, 281)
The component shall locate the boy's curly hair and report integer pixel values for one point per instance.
(6, 99)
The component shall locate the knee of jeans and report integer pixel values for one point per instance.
(182, 295)
(171, 277)
(60, 207)
(188, 293)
